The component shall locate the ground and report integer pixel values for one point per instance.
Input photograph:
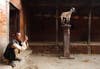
(45, 61)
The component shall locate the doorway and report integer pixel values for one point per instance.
(13, 21)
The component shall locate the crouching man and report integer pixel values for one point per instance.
(13, 49)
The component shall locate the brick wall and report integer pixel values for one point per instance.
(4, 25)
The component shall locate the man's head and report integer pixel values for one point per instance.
(18, 36)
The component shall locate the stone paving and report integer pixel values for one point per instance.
(48, 61)
(53, 62)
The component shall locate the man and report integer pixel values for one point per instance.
(14, 48)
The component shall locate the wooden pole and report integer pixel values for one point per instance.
(67, 40)
(66, 32)
(56, 27)
(89, 33)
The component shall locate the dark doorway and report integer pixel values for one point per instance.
(13, 21)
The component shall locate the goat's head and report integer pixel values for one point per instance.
(72, 9)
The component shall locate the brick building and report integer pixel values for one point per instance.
(39, 19)
(7, 24)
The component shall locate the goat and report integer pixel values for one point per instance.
(65, 16)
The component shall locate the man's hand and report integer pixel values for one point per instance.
(26, 38)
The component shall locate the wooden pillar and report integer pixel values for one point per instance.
(66, 31)
(22, 23)
(89, 32)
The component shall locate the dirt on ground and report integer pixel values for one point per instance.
(45, 61)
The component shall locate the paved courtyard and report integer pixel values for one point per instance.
(48, 61)
(53, 62)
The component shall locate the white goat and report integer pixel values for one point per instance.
(65, 16)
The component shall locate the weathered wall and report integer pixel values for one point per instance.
(4, 22)
(4, 25)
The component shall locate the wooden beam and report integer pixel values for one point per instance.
(16, 3)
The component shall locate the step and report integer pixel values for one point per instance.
(2, 66)
(25, 63)
(25, 53)
(24, 56)
(74, 48)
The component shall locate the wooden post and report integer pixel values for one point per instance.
(89, 32)
(66, 29)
